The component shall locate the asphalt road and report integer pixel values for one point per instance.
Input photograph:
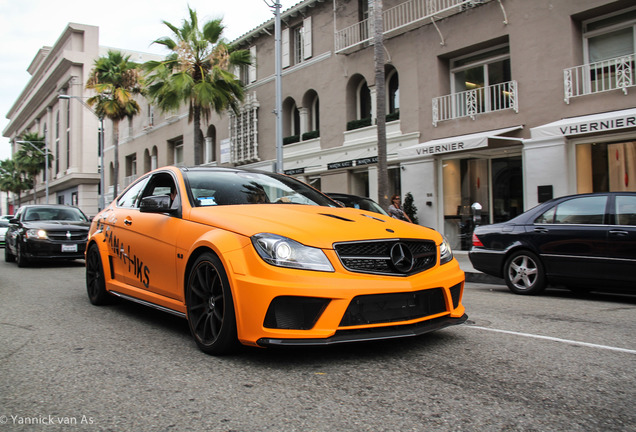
(558, 362)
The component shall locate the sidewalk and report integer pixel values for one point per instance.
(473, 275)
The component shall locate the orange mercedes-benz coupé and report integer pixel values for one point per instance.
(264, 259)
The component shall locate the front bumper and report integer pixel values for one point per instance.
(373, 334)
(276, 306)
(52, 250)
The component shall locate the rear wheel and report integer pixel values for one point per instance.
(210, 306)
(524, 274)
(95, 282)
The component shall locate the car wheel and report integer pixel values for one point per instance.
(523, 272)
(95, 282)
(210, 306)
(8, 256)
(19, 255)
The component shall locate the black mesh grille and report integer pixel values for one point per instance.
(294, 313)
(375, 256)
(75, 235)
(386, 308)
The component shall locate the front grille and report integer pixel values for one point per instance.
(75, 235)
(375, 256)
(386, 308)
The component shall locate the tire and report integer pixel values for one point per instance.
(524, 274)
(8, 256)
(210, 307)
(95, 282)
(19, 255)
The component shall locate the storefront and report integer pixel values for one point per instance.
(593, 153)
(479, 180)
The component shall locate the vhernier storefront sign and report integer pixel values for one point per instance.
(598, 126)
(440, 148)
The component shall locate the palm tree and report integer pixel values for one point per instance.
(32, 156)
(116, 80)
(13, 178)
(197, 73)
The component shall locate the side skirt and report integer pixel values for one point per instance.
(145, 303)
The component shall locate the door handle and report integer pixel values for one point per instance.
(620, 233)
(128, 222)
(541, 230)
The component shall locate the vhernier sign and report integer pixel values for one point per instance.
(598, 126)
(440, 148)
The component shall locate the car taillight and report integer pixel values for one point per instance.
(476, 241)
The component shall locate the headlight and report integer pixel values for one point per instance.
(445, 253)
(39, 234)
(284, 252)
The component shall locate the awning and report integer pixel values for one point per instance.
(594, 123)
(456, 143)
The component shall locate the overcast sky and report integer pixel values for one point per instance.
(28, 25)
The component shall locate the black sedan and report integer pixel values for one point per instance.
(46, 232)
(580, 241)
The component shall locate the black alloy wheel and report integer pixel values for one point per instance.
(210, 307)
(524, 274)
(95, 282)
(21, 260)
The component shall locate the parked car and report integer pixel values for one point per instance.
(4, 226)
(46, 232)
(264, 259)
(357, 202)
(580, 241)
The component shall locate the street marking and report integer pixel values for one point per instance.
(567, 341)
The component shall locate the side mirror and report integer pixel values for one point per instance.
(13, 221)
(156, 204)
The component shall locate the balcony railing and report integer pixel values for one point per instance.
(481, 100)
(607, 75)
(401, 17)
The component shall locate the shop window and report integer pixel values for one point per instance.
(606, 167)
(479, 192)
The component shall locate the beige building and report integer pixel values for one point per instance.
(503, 103)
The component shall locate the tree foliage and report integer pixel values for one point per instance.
(197, 72)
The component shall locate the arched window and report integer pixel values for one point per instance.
(364, 101)
(393, 92)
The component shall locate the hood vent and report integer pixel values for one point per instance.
(337, 217)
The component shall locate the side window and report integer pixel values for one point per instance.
(584, 210)
(626, 210)
(130, 198)
(547, 217)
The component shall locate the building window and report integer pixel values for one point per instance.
(364, 101)
(57, 142)
(244, 132)
(480, 82)
(151, 115)
(609, 49)
(68, 135)
(393, 92)
(296, 43)
(178, 152)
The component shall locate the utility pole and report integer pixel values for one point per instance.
(380, 93)
(278, 110)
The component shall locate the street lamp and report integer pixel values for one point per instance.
(46, 162)
(275, 6)
(100, 144)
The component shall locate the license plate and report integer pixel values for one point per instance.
(69, 248)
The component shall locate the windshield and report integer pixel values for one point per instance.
(212, 188)
(69, 214)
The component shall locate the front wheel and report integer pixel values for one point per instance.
(95, 282)
(210, 306)
(21, 260)
(523, 273)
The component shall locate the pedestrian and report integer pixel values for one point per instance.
(395, 211)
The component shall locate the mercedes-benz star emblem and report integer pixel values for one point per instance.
(402, 258)
(68, 235)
